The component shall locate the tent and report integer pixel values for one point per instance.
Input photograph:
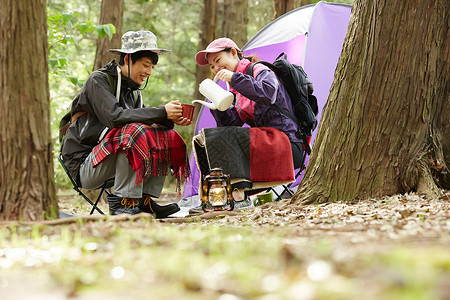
(311, 36)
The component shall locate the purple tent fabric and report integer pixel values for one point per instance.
(311, 36)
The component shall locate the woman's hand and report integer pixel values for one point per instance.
(174, 110)
(225, 75)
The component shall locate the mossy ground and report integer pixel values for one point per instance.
(391, 248)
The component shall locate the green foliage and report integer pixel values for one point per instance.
(65, 28)
(208, 260)
(68, 35)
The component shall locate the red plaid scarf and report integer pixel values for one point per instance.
(150, 150)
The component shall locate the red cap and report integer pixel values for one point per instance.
(215, 46)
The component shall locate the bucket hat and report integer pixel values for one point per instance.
(213, 47)
(134, 41)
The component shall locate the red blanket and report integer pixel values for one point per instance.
(258, 154)
(150, 150)
(270, 155)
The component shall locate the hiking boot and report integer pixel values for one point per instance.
(119, 205)
(146, 204)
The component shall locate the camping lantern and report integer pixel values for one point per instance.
(216, 191)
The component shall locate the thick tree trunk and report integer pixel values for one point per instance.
(440, 171)
(299, 3)
(385, 126)
(235, 20)
(26, 161)
(280, 7)
(207, 35)
(112, 12)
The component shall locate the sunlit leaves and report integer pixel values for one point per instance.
(62, 61)
(108, 29)
(64, 29)
(102, 30)
(53, 62)
(75, 80)
(85, 27)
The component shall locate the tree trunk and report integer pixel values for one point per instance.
(385, 127)
(280, 7)
(207, 35)
(112, 12)
(27, 186)
(299, 3)
(235, 20)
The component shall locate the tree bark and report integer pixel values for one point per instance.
(111, 12)
(206, 36)
(385, 127)
(27, 186)
(235, 20)
(280, 7)
(299, 3)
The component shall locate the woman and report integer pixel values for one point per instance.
(253, 105)
(254, 96)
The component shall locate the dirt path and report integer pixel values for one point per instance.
(391, 248)
(396, 218)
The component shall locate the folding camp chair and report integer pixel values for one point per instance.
(103, 189)
(286, 188)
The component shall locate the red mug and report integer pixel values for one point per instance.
(188, 111)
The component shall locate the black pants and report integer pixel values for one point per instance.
(297, 153)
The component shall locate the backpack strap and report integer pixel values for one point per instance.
(250, 69)
(281, 110)
(74, 117)
(114, 86)
(274, 69)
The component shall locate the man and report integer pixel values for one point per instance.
(113, 135)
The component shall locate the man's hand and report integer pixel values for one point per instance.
(174, 110)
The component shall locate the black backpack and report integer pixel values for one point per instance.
(67, 120)
(300, 90)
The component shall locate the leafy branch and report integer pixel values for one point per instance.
(65, 28)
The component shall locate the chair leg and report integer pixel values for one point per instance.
(94, 206)
(279, 195)
(77, 189)
(278, 198)
(287, 190)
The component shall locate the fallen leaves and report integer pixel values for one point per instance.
(376, 247)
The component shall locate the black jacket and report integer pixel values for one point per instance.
(103, 113)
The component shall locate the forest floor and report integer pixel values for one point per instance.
(392, 248)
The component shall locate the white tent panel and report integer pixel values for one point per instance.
(288, 26)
